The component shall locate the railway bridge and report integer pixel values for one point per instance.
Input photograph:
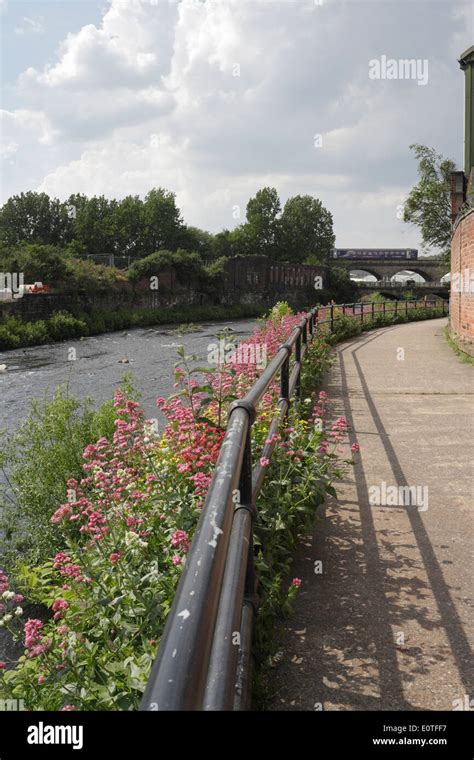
(432, 270)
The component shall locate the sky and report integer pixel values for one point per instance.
(215, 99)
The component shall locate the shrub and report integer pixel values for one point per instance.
(63, 326)
(38, 460)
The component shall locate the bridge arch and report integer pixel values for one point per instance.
(410, 271)
(356, 272)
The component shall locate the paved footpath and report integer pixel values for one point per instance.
(389, 622)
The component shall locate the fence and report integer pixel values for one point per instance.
(204, 658)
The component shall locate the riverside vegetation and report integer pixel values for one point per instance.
(99, 512)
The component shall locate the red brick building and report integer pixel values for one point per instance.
(462, 282)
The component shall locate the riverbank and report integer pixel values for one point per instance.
(15, 333)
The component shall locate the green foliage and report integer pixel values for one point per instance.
(38, 460)
(162, 222)
(39, 263)
(376, 298)
(262, 228)
(429, 203)
(281, 309)
(338, 285)
(15, 333)
(188, 266)
(34, 218)
(132, 228)
(346, 327)
(306, 230)
(303, 232)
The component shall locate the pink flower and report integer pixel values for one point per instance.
(323, 395)
(176, 559)
(3, 665)
(296, 582)
(41, 679)
(39, 649)
(180, 539)
(264, 461)
(59, 604)
(58, 607)
(4, 582)
(114, 558)
(32, 630)
(355, 447)
(67, 708)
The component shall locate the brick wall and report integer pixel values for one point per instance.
(462, 283)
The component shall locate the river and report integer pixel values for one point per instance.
(101, 362)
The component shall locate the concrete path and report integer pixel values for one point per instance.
(388, 623)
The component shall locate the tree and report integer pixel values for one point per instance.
(429, 204)
(128, 227)
(200, 241)
(163, 225)
(34, 218)
(306, 230)
(94, 224)
(39, 263)
(261, 231)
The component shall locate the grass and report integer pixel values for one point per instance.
(462, 356)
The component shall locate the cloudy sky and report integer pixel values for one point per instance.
(214, 99)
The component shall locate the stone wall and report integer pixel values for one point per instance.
(249, 280)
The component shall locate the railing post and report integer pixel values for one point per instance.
(406, 309)
(353, 309)
(396, 307)
(373, 310)
(332, 317)
(361, 313)
(305, 333)
(285, 380)
(298, 361)
(384, 307)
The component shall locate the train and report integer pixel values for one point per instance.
(375, 253)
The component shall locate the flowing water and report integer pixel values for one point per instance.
(101, 362)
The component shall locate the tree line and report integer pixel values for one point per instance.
(300, 231)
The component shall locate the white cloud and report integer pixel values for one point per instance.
(30, 26)
(214, 100)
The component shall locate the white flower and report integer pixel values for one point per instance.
(7, 618)
(8, 594)
(19, 611)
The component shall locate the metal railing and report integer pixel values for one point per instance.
(204, 657)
